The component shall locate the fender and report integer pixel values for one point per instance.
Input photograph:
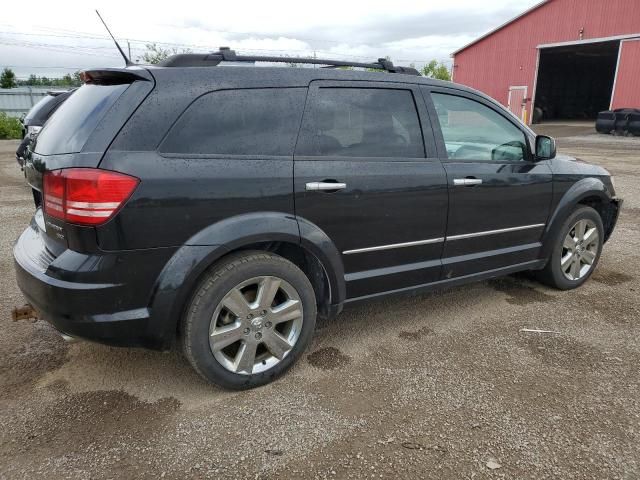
(585, 188)
(180, 275)
(317, 242)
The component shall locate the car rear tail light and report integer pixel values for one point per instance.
(86, 196)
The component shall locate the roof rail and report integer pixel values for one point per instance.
(228, 55)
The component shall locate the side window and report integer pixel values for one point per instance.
(473, 131)
(362, 122)
(239, 122)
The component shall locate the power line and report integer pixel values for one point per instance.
(43, 67)
(80, 50)
(86, 35)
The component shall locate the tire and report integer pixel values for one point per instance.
(578, 254)
(256, 326)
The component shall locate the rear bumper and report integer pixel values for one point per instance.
(101, 297)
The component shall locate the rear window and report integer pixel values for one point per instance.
(363, 122)
(262, 121)
(70, 126)
(40, 109)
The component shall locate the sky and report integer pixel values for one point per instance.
(53, 38)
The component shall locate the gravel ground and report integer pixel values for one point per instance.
(436, 386)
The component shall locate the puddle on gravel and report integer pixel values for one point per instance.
(328, 358)
(519, 293)
(610, 277)
(416, 335)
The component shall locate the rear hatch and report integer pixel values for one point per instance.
(76, 137)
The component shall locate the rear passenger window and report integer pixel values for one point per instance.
(239, 122)
(362, 122)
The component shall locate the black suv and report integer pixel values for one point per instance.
(227, 207)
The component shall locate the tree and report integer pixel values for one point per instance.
(8, 79)
(32, 80)
(435, 69)
(67, 81)
(156, 54)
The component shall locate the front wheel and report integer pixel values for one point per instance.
(250, 319)
(576, 250)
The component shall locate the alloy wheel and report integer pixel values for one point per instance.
(579, 250)
(256, 325)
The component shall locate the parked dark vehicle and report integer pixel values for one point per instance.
(225, 208)
(34, 120)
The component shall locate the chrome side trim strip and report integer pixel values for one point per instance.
(381, 272)
(442, 239)
(494, 232)
(394, 245)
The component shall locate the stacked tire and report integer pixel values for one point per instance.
(621, 121)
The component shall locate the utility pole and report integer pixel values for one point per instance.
(129, 47)
(314, 57)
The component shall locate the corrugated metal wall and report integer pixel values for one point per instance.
(16, 101)
(626, 91)
(508, 57)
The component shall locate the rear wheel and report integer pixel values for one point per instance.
(576, 250)
(249, 320)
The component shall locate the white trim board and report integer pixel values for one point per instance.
(615, 76)
(535, 88)
(589, 40)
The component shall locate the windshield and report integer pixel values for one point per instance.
(70, 126)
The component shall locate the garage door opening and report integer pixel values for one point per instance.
(575, 81)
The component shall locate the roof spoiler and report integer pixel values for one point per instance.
(114, 76)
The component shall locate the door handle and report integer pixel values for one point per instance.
(466, 182)
(324, 186)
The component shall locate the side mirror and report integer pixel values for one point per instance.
(545, 147)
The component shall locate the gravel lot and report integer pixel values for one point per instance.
(437, 386)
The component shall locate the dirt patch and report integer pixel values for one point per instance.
(26, 362)
(416, 335)
(616, 310)
(558, 351)
(328, 358)
(519, 293)
(630, 211)
(611, 277)
(111, 416)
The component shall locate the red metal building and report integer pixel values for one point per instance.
(561, 59)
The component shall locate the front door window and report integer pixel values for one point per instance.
(473, 131)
